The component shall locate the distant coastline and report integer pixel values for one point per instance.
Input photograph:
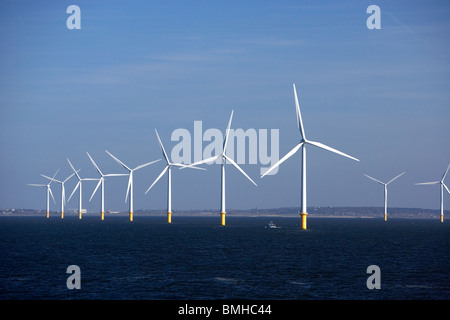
(314, 212)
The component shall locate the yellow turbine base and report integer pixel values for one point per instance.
(303, 214)
(131, 216)
(102, 215)
(79, 215)
(48, 214)
(169, 217)
(385, 217)
(62, 215)
(222, 215)
(442, 218)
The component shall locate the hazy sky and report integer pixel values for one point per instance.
(382, 96)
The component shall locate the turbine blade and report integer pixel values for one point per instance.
(159, 177)
(51, 178)
(116, 174)
(145, 164)
(323, 146)
(289, 154)
(240, 169)
(128, 188)
(51, 193)
(396, 177)
(185, 166)
(162, 147)
(299, 115)
(76, 172)
(432, 182)
(56, 172)
(374, 179)
(446, 188)
(202, 161)
(118, 161)
(95, 190)
(95, 165)
(70, 176)
(227, 131)
(443, 177)
(36, 185)
(75, 189)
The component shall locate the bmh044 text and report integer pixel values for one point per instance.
(240, 309)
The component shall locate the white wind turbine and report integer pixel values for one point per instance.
(63, 191)
(168, 168)
(102, 182)
(302, 144)
(79, 185)
(130, 179)
(441, 182)
(224, 158)
(49, 192)
(385, 191)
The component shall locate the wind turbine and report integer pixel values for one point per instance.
(79, 185)
(224, 158)
(168, 168)
(63, 191)
(49, 192)
(441, 182)
(385, 191)
(130, 179)
(102, 182)
(302, 144)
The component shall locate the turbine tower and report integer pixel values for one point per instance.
(130, 179)
(102, 182)
(441, 182)
(302, 144)
(385, 191)
(63, 191)
(168, 168)
(79, 185)
(49, 192)
(224, 158)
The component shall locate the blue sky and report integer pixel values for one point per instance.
(379, 95)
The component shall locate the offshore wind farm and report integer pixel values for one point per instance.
(223, 158)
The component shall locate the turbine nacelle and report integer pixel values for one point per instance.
(168, 166)
(80, 180)
(223, 155)
(49, 189)
(130, 179)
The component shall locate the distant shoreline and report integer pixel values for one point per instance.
(289, 212)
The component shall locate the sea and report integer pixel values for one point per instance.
(195, 258)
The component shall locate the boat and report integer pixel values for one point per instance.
(271, 225)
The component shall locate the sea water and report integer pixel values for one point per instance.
(196, 258)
